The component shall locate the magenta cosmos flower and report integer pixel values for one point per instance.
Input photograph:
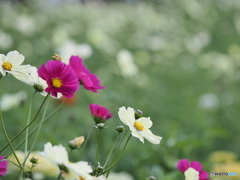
(3, 166)
(60, 78)
(86, 78)
(100, 114)
(192, 170)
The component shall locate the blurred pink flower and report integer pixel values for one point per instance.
(100, 114)
(185, 166)
(86, 78)
(60, 78)
(3, 166)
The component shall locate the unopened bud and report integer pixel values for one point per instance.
(34, 160)
(120, 129)
(138, 114)
(152, 178)
(56, 57)
(100, 125)
(38, 87)
(99, 168)
(76, 142)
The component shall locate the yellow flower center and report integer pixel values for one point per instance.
(81, 178)
(139, 126)
(7, 65)
(56, 82)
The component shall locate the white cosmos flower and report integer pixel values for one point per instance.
(11, 63)
(139, 127)
(70, 171)
(191, 174)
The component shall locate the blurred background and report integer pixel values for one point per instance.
(177, 61)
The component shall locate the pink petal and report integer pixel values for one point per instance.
(196, 165)
(183, 165)
(203, 175)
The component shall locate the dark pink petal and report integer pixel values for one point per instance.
(196, 165)
(99, 113)
(203, 175)
(3, 166)
(183, 165)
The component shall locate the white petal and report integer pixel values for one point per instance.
(11, 56)
(22, 68)
(138, 135)
(146, 122)
(81, 168)
(147, 134)
(126, 116)
(18, 60)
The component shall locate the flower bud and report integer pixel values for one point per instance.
(34, 160)
(38, 88)
(76, 142)
(56, 57)
(138, 114)
(99, 169)
(152, 178)
(120, 129)
(100, 125)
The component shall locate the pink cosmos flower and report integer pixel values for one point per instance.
(86, 78)
(100, 114)
(192, 169)
(3, 166)
(60, 78)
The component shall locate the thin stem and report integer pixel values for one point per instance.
(38, 131)
(99, 143)
(47, 118)
(59, 176)
(108, 169)
(28, 120)
(5, 133)
(25, 127)
(111, 151)
(84, 145)
(116, 152)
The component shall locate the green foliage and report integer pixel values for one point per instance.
(187, 57)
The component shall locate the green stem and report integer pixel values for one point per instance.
(99, 143)
(28, 121)
(5, 133)
(84, 145)
(59, 176)
(115, 154)
(108, 169)
(111, 151)
(25, 127)
(31, 133)
(38, 131)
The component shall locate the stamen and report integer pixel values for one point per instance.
(7, 66)
(56, 82)
(139, 126)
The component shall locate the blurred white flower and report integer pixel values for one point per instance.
(100, 178)
(69, 48)
(198, 41)
(126, 63)
(191, 174)
(208, 101)
(25, 24)
(119, 176)
(139, 127)
(5, 40)
(11, 64)
(70, 171)
(9, 101)
(43, 166)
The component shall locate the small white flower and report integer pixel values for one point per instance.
(11, 63)
(191, 174)
(139, 127)
(120, 176)
(70, 171)
(9, 101)
(33, 80)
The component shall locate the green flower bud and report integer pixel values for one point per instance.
(34, 160)
(100, 125)
(120, 129)
(138, 114)
(152, 178)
